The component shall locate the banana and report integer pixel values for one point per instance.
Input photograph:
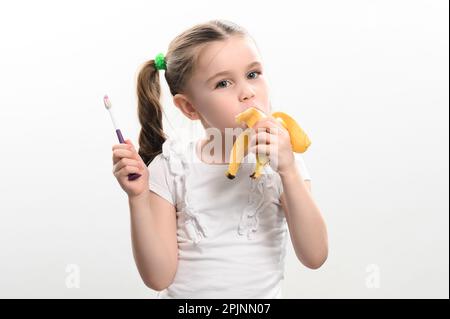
(261, 160)
(299, 140)
(237, 153)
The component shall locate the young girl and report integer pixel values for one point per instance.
(196, 233)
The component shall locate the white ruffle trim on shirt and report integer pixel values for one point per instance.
(174, 152)
(261, 195)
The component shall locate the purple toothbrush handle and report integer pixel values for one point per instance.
(132, 176)
(119, 135)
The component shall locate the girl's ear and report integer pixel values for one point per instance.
(182, 102)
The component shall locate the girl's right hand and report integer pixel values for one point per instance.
(126, 160)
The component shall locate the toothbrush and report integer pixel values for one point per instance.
(108, 106)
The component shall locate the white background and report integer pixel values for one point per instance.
(367, 80)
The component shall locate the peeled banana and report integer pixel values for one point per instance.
(299, 140)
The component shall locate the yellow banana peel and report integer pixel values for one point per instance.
(299, 140)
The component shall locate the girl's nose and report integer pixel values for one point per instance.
(247, 93)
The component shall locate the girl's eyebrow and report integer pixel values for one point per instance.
(229, 72)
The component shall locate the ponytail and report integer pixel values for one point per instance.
(151, 136)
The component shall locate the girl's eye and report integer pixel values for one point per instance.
(256, 72)
(218, 84)
(225, 81)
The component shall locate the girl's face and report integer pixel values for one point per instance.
(229, 78)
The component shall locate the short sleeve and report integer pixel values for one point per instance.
(160, 180)
(301, 167)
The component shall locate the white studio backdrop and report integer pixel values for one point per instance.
(368, 81)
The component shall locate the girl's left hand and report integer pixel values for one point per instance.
(269, 137)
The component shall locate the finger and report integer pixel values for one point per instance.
(262, 123)
(261, 149)
(126, 162)
(266, 126)
(269, 136)
(125, 171)
(276, 121)
(128, 142)
(122, 146)
(269, 119)
(277, 129)
(260, 138)
(118, 154)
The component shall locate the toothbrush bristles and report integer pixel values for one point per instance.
(107, 102)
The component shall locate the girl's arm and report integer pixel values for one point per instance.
(154, 239)
(306, 225)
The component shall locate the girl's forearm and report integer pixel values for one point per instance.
(153, 262)
(306, 224)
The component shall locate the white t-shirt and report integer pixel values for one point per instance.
(231, 234)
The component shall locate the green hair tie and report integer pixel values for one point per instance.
(160, 62)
